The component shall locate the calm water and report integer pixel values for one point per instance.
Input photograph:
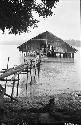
(53, 78)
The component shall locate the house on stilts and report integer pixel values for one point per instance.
(49, 45)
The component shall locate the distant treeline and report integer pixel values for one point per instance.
(76, 43)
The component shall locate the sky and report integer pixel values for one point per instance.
(65, 24)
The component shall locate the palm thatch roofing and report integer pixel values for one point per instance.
(46, 38)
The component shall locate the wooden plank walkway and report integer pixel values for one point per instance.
(12, 71)
(16, 71)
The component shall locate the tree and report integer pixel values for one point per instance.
(16, 15)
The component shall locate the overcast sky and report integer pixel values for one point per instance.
(64, 24)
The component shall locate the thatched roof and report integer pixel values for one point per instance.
(47, 38)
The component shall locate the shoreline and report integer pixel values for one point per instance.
(66, 108)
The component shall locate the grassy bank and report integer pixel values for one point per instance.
(66, 108)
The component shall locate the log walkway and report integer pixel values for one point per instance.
(16, 71)
(12, 71)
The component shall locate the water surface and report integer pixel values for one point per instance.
(54, 77)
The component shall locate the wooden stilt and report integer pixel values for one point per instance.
(7, 63)
(12, 90)
(35, 71)
(55, 54)
(34, 78)
(60, 55)
(17, 85)
(30, 70)
(34, 74)
(27, 80)
(63, 55)
(5, 84)
(26, 88)
(30, 66)
(31, 81)
(26, 50)
(69, 55)
(38, 67)
(24, 57)
(72, 55)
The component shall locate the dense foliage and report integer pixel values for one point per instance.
(16, 15)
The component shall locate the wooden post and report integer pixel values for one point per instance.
(34, 78)
(66, 55)
(26, 88)
(46, 43)
(26, 50)
(60, 55)
(5, 84)
(69, 55)
(17, 84)
(31, 81)
(12, 90)
(27, 80)
(30, 66)
(7, 63)
(38, 67)
(63, 55)
(24, 57)
(72, 55)
(55, 54)
(30, 70)
(35, 71)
